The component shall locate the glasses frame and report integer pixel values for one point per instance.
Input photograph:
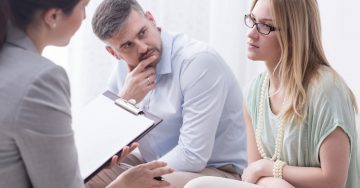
(271, 28)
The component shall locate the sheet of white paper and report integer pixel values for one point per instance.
(101, 129)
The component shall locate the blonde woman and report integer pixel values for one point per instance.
(300, 114)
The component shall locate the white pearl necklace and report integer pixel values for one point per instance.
(260, 127)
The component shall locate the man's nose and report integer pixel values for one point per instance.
(141, 46)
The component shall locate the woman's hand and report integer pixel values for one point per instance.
(258, 169)
(115, 160)
(142, 176)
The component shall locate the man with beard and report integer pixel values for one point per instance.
(181, 80)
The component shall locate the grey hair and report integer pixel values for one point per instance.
(110, 16)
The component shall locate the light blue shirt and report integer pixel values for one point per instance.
(200, 102)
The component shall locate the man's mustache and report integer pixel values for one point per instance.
(146, 54)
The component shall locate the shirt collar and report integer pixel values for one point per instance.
(164, 65)
(18, 38)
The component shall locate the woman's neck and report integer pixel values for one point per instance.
(273, 71)
(275, 89)
(37, 36)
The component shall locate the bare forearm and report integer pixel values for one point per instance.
(119, 182)
(116, 184)
(270, 182)
(309, 177)
(334, 157)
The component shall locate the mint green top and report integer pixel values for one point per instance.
(329, 107)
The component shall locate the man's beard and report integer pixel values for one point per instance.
(147, 54)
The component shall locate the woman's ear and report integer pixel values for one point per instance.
(51, 17)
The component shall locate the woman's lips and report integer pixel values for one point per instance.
(251, 45)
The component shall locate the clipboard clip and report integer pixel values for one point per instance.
(128, 105)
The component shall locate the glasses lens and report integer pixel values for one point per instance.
(249, 22)
(262, 28)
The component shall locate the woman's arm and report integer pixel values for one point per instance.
(334, 157)
(44, 134)
(257, 167)
(252, 151)
(142, 176)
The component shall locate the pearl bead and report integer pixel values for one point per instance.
(280, 132)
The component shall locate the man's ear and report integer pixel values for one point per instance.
(112, 52)
(150, 17)
(51, 17)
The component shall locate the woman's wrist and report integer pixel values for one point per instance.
(118, 182)
(267, 168)
(278, 169)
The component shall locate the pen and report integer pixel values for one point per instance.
(159, 178)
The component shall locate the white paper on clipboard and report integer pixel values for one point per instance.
(102, 129)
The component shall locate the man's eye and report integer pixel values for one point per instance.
(127, 45)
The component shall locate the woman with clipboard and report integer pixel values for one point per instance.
(36, 139)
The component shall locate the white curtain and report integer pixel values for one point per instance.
(219, 23)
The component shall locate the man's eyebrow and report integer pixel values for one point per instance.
(141, 30)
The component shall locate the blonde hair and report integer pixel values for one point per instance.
(302, 53)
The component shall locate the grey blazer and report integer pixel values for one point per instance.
(36, 140)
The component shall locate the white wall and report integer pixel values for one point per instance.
(85, 60)
(220, 23)
(341, 39)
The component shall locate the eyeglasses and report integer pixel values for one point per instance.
(262, 28)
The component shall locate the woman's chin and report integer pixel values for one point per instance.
(252, 57)
(61, 43)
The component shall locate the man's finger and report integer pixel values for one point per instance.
(143, 64)
(149, 72)
(151, 78)
(130, 68)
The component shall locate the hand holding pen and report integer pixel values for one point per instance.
(143, 175)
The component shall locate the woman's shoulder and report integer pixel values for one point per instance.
(23, 67)
(254, 86)
(26, 62)
(326, 82)
(27, 76)
(329, 93)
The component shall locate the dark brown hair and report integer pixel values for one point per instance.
(3, 22)
(22, 12)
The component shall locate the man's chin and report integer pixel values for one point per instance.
(153, 64)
